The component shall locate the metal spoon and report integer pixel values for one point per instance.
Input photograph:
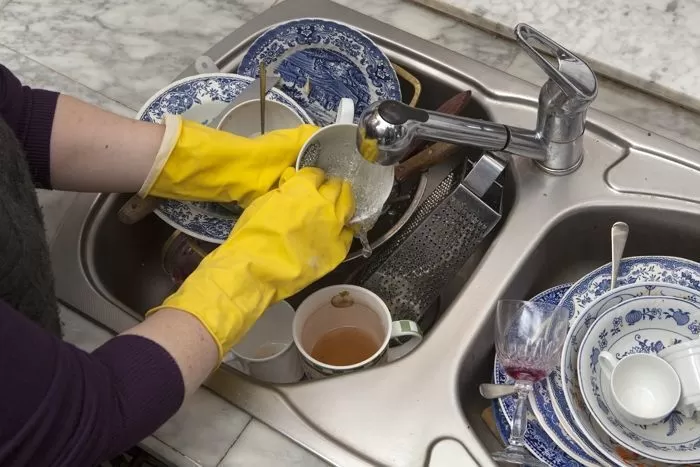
(263, 90)
(618, 236)
(494, 391)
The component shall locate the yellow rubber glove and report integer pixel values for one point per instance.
(198, 163)
(284, 241)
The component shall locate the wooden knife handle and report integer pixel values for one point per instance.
(428, 157)
(137, 208)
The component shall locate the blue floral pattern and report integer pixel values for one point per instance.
(322, 61)
(648, 325)
(206, 221)
(675, 277)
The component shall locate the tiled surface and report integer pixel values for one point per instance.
(259, 445)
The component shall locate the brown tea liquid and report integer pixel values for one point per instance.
(344, 346)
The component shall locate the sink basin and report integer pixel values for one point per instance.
(554, 230)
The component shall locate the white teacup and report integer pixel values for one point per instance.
(336, 153)
(344, 328)
(644, 387)
(685, 360)
(244, 119)
(267, 352)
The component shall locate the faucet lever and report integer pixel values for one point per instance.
(573, 75)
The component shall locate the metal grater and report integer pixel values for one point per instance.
(410, 273)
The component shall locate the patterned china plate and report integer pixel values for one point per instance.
(664, 269)
(639, 325)
(578, 330)
(202, 98)
(322, 61)
(542, 426)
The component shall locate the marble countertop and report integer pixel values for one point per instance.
(649, 44)
(116, 54)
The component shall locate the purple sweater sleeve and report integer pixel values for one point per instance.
(61, 406)
(29, 112)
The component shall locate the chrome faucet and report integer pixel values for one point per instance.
(387, 128)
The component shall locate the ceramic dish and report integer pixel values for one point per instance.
(201, 98)
(663, 269)
(639, 325)
(542, 426)
(322, 61)
(569, 361)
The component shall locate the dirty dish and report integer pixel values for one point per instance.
(202, 98)
(267, 351)
(332, 148)
(685, 360)
(644, 388)
(544, 437)
(580, 298)
(322, 61)
(345, 328)
(638, 325)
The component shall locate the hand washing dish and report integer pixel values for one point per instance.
(202, 98)
(639, 325)
(320, 62)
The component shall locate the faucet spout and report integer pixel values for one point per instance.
(387, 128)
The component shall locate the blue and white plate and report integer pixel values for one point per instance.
(542, 427)
(639, 325)
(662, 269)
(201, 98)
(569, 360)
(322, 61)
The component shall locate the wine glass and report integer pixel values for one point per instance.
(529, 339)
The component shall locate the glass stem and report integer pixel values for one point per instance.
(517, 433)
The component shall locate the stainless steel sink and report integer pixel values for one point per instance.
(556, 228)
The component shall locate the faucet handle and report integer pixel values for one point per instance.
(573, 75)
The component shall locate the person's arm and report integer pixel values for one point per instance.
(63, 406)
(97, 151)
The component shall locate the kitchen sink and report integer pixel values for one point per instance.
(554, 229)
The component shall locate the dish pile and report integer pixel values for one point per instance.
(579, 411)
(311, 65)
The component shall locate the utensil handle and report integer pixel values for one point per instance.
(400, 329)
(608, 362)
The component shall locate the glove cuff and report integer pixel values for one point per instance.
(173, 127)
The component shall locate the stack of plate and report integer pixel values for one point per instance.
(572, 422)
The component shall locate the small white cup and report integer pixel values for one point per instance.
(314, 320)
(371, 184)
(685, 360)
(644, 388)
(244, 119)
(267, 352)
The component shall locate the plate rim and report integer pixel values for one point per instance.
(198, 77)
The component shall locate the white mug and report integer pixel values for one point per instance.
(267, 352)
(372, 183)
(354, 309)
(644, 388)
(244, 119)
(685, 360)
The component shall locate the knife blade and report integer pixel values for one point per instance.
(250, 93)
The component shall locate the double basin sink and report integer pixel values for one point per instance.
(554, 229)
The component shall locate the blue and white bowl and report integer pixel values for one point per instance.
(202, 98)
(639, 325)
(320, 62)
(659, 269)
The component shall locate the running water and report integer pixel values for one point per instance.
(366, 247)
